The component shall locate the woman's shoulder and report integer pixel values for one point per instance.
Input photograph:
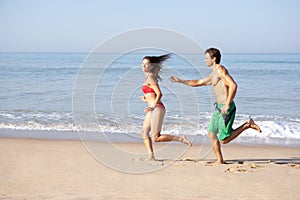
(152, 80)
(151, 83)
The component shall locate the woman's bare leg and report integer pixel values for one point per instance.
(157, 117)
(145, 135)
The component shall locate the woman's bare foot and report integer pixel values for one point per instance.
(185, 141)
(216, 163)
(254, 126)
(151, 157)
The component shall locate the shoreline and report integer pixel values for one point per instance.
(135, 138)
(67, 169)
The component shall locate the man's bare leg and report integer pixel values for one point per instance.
(217, 148)
(249, 124)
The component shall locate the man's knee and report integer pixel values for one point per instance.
(211, 136)
(225, 141)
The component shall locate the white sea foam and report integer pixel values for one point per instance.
(272, 126)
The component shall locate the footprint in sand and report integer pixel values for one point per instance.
(149, 161)
(236, 170)
(296, 166)
(243, 168)
(253, 166)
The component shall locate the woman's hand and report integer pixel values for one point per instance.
(148, 109)
(143, 98)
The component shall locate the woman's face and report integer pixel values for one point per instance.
(146, 65)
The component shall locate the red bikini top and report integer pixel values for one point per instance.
(146, 89)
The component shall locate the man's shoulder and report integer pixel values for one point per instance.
(221, 69)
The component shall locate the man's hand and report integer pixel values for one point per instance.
(225, 109)
(174, 79)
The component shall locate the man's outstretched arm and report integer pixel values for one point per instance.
(192, 83)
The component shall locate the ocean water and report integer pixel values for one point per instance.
(37, 93)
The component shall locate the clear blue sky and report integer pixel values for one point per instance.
(79, 25)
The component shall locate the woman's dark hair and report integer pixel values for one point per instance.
(213, 52)
(156, 63)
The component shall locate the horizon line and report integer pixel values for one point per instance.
(85, 52)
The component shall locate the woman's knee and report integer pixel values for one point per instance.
(145, 133)
(156, 137)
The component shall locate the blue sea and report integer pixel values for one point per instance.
(38, 91)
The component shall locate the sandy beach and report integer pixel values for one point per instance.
(53, 169)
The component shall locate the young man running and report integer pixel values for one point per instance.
(225, 89)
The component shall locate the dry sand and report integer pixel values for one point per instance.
(52, 169)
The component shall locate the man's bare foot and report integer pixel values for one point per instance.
(253, 125)
(185, 141)
(216, 163)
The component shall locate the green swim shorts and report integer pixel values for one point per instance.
(217, 123)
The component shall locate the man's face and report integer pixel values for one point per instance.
(209, 61)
